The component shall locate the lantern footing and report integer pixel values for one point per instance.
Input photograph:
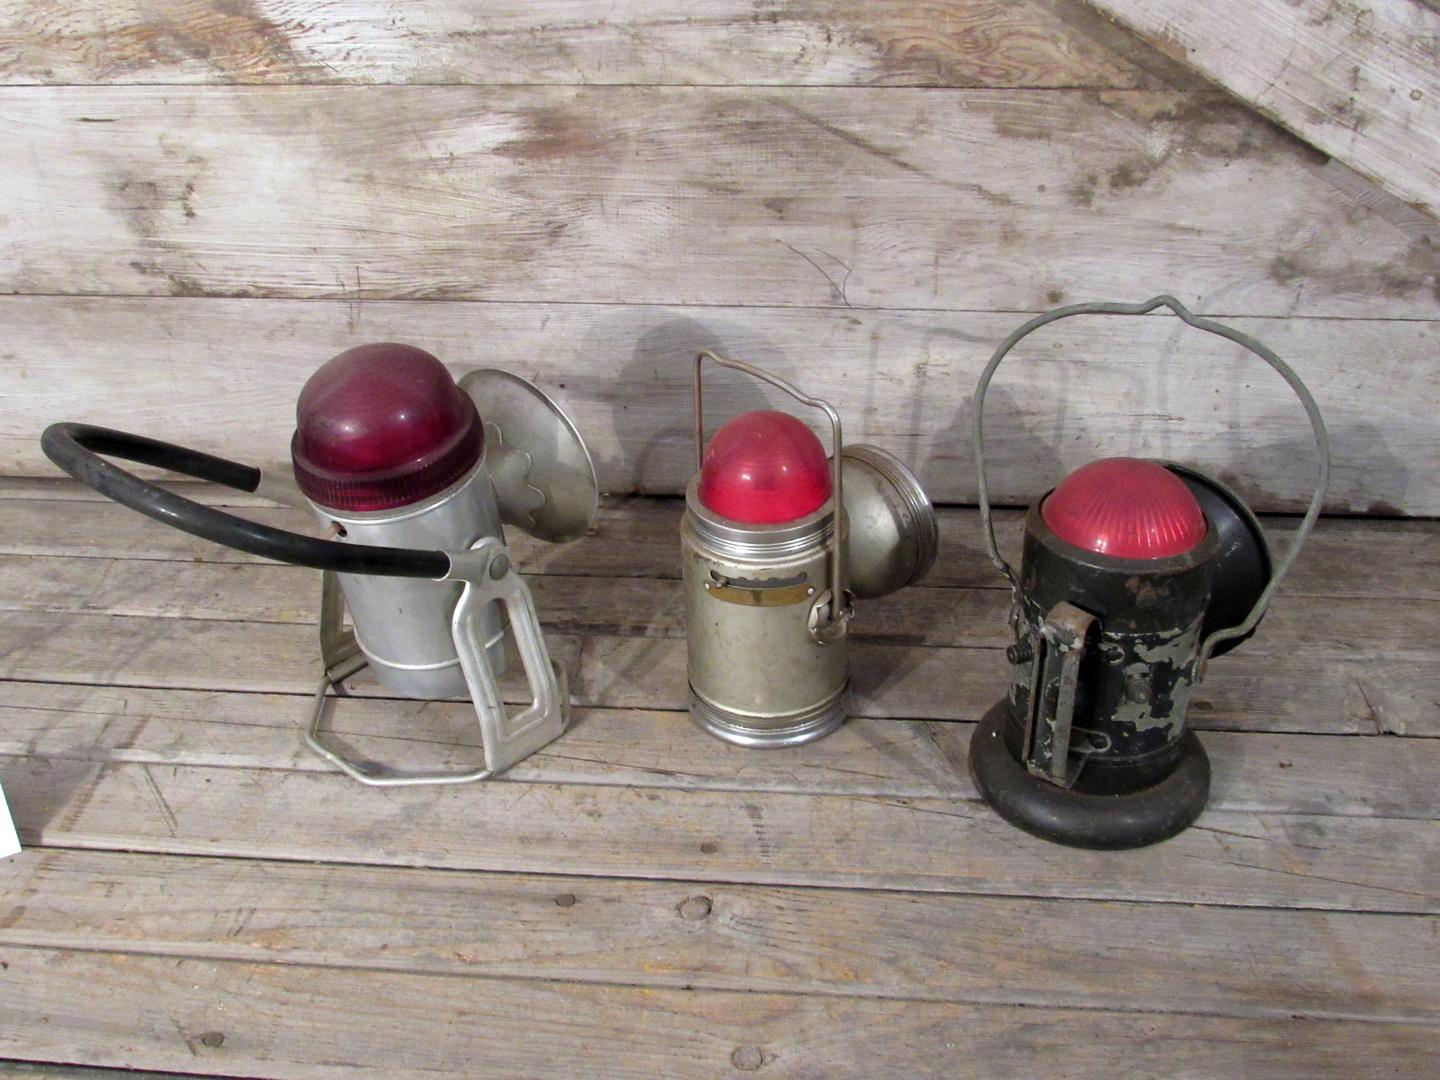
(1077, 819)
(793, 730)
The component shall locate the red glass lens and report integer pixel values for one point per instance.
(764, 468)
(1126, 507)
(382, 426)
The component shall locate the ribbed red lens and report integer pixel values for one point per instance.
(382, 426)
(1126, 507)
(764, 468)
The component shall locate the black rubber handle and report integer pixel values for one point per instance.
(76, 448)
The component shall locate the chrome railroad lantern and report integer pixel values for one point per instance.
(414, 476)
(770, 574)
(1133, 573)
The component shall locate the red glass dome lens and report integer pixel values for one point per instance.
(382, 426)
(764, 468)
(1126, 507)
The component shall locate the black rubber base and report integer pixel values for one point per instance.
(1099, 822)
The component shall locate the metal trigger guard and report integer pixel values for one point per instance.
(836, 618)
(1312, 411)
(488, 576)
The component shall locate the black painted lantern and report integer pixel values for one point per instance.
(1133, 573)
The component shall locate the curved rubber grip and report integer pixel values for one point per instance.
(76, 448)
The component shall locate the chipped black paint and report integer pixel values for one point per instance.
(1140, 666)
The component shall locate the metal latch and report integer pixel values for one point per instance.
(1058, 648)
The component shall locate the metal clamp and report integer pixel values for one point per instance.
(488, 576)
(833, 610)
(1057, 650)
(1317, 424)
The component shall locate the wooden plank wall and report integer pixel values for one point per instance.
(203, 201)
(1359, 81)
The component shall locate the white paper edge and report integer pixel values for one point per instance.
(9, 842)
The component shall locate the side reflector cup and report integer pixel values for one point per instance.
(1133, 574)
(769, 581)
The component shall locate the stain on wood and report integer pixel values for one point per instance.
(1359, 81)
(734, 42)
(524, 194)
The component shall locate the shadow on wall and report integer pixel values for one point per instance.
(1365, 476)
(649, 404)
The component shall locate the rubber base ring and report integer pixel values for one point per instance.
(1096, 822)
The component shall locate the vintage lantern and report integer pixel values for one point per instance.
(393, 458)
(770, 575)
(1132, 575)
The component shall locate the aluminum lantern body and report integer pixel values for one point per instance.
(411, 478)
(390, 452)
(777, 541)
(1133, 574)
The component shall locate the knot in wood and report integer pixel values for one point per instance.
(697, 907)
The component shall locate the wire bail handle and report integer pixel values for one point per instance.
(1317, 424)
(840, 611)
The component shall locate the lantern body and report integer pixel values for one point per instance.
(389, 449)
(758, 677)
(1090, 747)
(402, 625)
(1135, 666)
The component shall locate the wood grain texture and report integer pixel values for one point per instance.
(820, 42)
(327, 1023)
(1302, 692)
(731, 937)
(25, 1070)
(636, 538)
(902, 380)
(772, 838)
(649, 607)
(649, 748)
(1359, 81)
(894, 197)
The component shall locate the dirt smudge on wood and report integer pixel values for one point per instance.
(556, 132)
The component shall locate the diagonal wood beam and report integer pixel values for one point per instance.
(1358, 79)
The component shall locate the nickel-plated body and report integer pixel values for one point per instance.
(403, 624)
(758, 675)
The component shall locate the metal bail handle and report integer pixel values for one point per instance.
(1317, 424)
(834, 626)
(488, 576)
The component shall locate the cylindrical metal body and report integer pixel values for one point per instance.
(757, 675)
(403, 624)
(1135, 663)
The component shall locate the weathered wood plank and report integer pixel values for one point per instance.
(1359, 81)
(650, 607)
(32, 1071)
(636, 538)
(409, 1026)
(1168, 958)
(1299, 774)
(1299, 692)
(771, 838)
(824, 42)
(948, 199)
(60, 488)
(1082, 389)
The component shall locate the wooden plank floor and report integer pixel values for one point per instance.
(200, 895)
